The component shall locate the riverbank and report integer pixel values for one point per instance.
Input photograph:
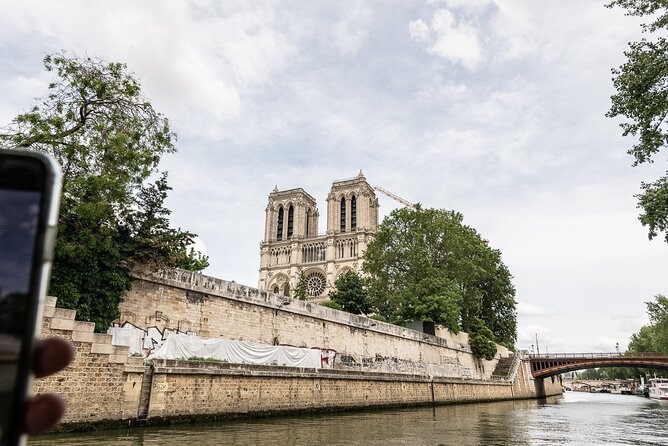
(573, 419)
(105, 386)
(104, 392)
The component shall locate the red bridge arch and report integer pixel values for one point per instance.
(543, 366)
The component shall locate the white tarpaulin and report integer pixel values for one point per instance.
(128, 335)
(181, 346)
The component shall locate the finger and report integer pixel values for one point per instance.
(50, 356)
(42, 413)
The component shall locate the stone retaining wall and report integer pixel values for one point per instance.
(103, 386)
(187, 389)
(102, 383)
(211, 307)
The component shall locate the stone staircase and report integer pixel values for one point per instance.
(504, 368)
(102, 382)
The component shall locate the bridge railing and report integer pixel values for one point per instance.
(596, 355)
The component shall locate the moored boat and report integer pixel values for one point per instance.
(621, 390)
(658, 388)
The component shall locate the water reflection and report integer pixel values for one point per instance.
(577, 419)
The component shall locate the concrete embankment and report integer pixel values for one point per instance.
(105, 387)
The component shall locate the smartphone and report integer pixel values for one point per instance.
(29, 196)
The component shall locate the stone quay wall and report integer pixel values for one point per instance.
(185, 390)
(102, 383)
(105, 387)
(210, 307)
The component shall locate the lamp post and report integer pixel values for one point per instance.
(537, 346)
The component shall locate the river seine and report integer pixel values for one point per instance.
(574, 419)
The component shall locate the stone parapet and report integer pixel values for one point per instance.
(93, 386)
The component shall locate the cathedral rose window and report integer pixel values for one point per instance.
(315, 283)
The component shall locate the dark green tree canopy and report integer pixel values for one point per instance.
(350, 294)
(654, 336)
(425, 264)
(642, 99)
(96, 123)
(109, 141)
(301, 289)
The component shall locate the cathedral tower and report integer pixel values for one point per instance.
(291, 242)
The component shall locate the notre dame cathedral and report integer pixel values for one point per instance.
(291, 242)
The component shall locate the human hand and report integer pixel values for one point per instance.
(42, 412)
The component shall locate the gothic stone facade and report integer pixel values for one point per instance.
(291, 242)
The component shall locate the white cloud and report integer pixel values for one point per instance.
(439, 88)
(418, 30)
(471, 6)
(189, 57)
(606, 344)
(350, 33)
(494, 108)
(455, 40)
(528, 310)
(512, 27)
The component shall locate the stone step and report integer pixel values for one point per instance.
(121, 350)
(503, 366)
(84, 327)
(49, 311)
(83, 336)
(64, 313)
(136, 360)
(101, 338)
(62, 324)
(50, 301)
(104, 349)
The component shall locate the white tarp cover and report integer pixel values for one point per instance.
(128, 335)
(181, 346)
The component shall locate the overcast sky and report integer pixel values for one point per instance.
(494, 108)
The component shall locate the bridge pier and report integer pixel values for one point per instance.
(539, 384)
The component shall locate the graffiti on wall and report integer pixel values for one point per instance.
(140, 341)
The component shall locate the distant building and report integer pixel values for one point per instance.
(291, 242)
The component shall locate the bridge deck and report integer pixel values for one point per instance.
(546, 365)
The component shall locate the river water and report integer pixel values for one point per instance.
(574, 419)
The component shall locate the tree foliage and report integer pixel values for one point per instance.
(350, 294)
(610, 373)
(425, 264)
(301, 289)
(331, 304)
(642, 98)
(481, 339)
(653, 337)
(108, 140)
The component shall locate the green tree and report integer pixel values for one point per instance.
(350, 294)
(331, 304)
(642, 98)
(481, 339)
(643, 341)
(653, 337)
(108, 140)
(301, 289)
(151, 240)
(425, 264)
(590, 374)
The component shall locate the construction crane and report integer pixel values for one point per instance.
(394, 197)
